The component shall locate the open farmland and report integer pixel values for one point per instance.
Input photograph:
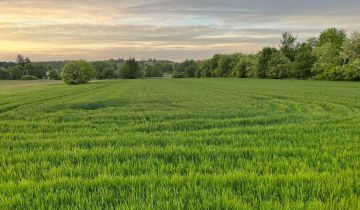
(188, 144)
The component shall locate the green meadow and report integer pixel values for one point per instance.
(180, 144)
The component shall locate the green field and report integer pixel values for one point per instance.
(180, 144)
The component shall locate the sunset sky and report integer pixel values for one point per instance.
(163, 29)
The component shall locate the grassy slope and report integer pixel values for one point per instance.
(157, 144)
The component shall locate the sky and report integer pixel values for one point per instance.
(164, 29)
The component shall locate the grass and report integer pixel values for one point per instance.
(180, 144)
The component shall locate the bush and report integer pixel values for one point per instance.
(72, 74)
(87, 68)
(335, 73)
(352, 70)
(77, 72)
(29, 77)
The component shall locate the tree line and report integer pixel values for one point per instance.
(331, 56)
(77, 72)
(82, 71)
(24, 69)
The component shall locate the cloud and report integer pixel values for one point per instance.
(166, 29)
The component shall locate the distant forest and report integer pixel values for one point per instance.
(331, 56)
(106, 69)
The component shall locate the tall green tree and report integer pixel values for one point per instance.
(22, 61)
(328, 54)
(262, 66)
(327, 62)
(334, 36)
(351, 47)
(304, 61)
(288, 45)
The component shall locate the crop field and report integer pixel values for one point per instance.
(180, 144)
